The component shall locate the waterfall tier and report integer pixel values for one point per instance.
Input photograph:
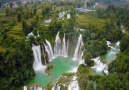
(60, 48)
(48, 49)
(37, 65)
(78, 51)
(57, 46)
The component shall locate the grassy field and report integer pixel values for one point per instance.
(16, 31)
(7, 18)
(88, 19)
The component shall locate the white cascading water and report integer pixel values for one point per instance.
(78, 51)
(100, 66)
(64, 48)
(37, 65)
(57, 46)
(67, 46)
(60, 49)
(81, 55)
(48, 49)
(48, 52)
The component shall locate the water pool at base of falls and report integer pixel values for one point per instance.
(61, 65)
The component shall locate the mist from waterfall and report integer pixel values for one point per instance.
(78, 51)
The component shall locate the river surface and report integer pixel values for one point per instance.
(61, 65)
(111, 53)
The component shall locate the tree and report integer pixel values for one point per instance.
(26, 15)
(55, 26)
(87, 57)
(112, 17)
(19, 16)
(124, 45)
(7, 11)
(33, 23)
(16, 65)
(46, 10)
(31, 14)
(25, 27)
(35, 11)
(36, 17)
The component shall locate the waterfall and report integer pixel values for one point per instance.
(57, 46)
(48, 52)
(60, 49)
(78, 51)
(37, 65)
(25, 88)
(67, 46)
(64, 48)
(48, 49)
(44, 55)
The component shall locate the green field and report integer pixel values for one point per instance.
(88, 20)
(16, 31)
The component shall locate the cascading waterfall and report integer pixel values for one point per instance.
(37, 65)
(48, 49)
(78, 51)
(48, 52)
(44, 55)
(60, 49)
(57, 46)
(64, 48)
(67, 46)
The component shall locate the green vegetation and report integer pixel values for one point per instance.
(65, 80)
(118, 69)
(118, 78)
(88, 20)
(16, 56)
(85, 76)
(95, 40)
